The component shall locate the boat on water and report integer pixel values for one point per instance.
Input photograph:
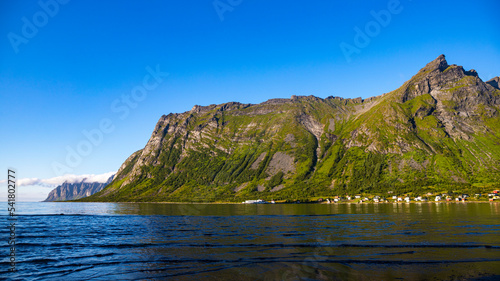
(258, 201)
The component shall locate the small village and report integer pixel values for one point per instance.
(493, 196)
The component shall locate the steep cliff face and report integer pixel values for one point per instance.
(73, 191)
(441, 128)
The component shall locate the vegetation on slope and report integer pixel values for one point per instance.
(439, 131)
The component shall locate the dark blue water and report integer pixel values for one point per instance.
(105, 241)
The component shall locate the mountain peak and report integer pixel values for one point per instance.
(494, 82)
(439, 63)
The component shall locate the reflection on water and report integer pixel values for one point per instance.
(256, 242)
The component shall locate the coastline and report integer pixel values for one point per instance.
(281, 203)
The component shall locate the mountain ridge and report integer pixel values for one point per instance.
(72, 191)
(440, 129)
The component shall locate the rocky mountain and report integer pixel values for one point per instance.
(72, 191)
(494, 82)
(440, 130)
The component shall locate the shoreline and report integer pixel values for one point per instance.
(283, 203)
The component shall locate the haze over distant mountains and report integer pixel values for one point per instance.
(72, 191)
(439, 130)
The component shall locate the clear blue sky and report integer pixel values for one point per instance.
(86, 55)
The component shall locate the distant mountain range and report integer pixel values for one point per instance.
(439, 131)
(72, 191)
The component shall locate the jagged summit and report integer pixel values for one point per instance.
(439, 63)
(73, 191)
(438, 77)
(494, 82)
(440, 128)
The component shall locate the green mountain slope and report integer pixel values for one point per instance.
(439, 131)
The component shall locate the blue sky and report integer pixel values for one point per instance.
(75, 69)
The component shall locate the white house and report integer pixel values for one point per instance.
(258, 201)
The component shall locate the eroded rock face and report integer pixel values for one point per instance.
(257, 162)
(312, 125)
(443, 112)
(281, 162)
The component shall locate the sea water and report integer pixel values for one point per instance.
(131, 241)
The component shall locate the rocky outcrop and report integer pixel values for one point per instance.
(281, 162)
(494, 82)
(311, 125)
(72, 191)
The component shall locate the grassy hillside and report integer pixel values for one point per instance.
(439, 131)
